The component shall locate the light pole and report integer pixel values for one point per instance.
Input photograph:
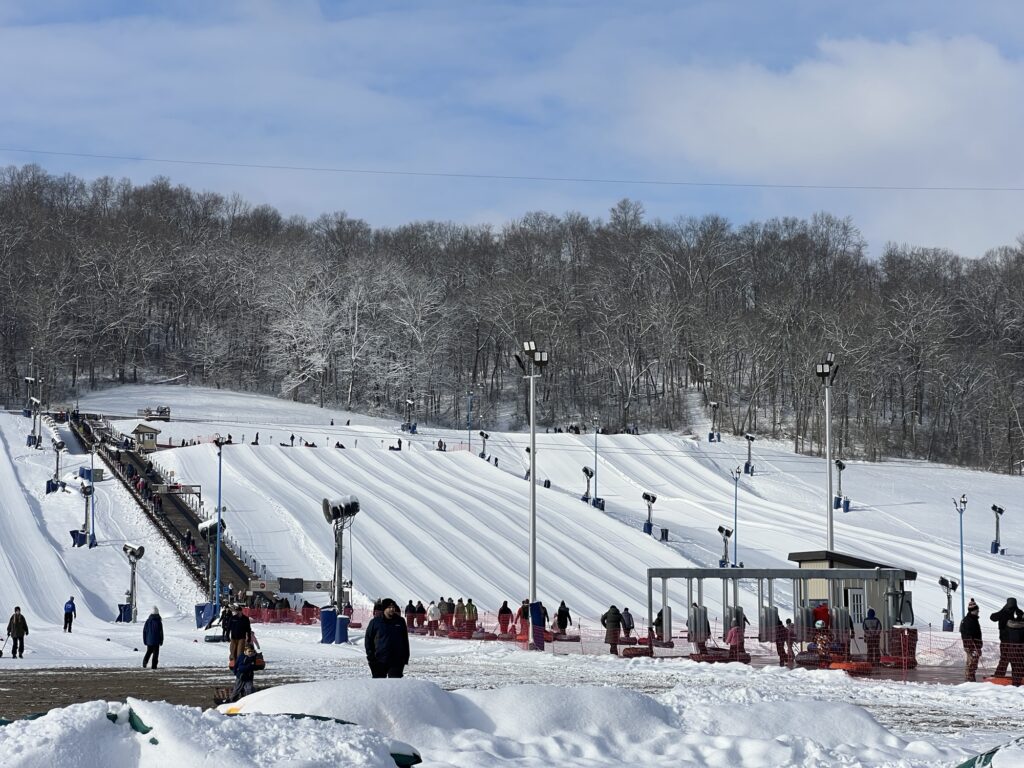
(999, 513)
(748, 468)
(134, 554)
(826, 371)
(76, 383)
(587, 473)
(735, 512)
(92, 497)
(537, 359)
(961, 508)
(220, 464)
(340, 514)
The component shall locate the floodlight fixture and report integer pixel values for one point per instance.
(948, 582)
(649, 497)
(840, 465)
(409, 402)
(714, 405)
(997, 509)
(340, 513)
(529, 347)
(749, 437)
(540, 358)
(588, 472)
(485, 436)
(726, 532)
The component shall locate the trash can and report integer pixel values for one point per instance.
(341, 630)
(648, 528)
(30, 440)
(664, 534)
(52, 486)
(994, 550)
(598, 503)
(78, 538)
(124, 613)
(328, 624)
(837, 502)
(846, 504)
(204, 614)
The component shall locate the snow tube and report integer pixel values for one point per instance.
(508, 636)
(997, 680)
(853, 667)
(566, 638)
(355, 625)
(719, 655)
(484, 636)
(460, 634)
(630, 653)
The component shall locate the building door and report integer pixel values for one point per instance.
(855, 604)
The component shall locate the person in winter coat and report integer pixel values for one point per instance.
(734, 638)
(348, 610)
(700, 639)
(562, 618)
(410, 614)
(970, 636)
(659, 622)
(70, 613)
(387, 642)
(446, 613)
(1015, 641)
(1002, 616)
(433, 618)
(504, 617)
(152, 638)
(823, 642)
(245, 670)
(523, 615)
(471, 614)
(627, 622)
(873, 636)
(240, 632)
(781, 635)
(421, 614)
(17, 630)
(460, 615)
(611, 620)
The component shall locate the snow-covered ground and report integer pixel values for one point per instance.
(450, 523)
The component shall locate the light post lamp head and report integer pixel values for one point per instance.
(649, 497)
(133, 552)
(714, 405)
(540, 358)
(529, 347)
(948, 583)
(484, 435)
(749, 437)
(588, 472)
(963, 501)
(725, 532)
(997, 509)
(840, 465)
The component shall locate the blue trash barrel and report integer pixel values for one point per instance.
(748, 467)
(598, 503)
(537, 625)
(648, 528)
(26, 412)
(664, 534)
(995, 548)
(328, 624)
(711, 437)
(124, 612)
(846, 504)
(837, 502)
(341, 630)
(78, 538)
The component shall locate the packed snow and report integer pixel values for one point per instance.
(436, 523)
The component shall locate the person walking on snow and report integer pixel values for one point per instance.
(421, 614)
(17, 630)
(970, 636)
(504, 617)
(611, 620)
(153, 637)
(1002, 616)
(734, 638)
(627, 622)
(562, 618)
(245, 669)
(387, 642)
(240, 631)
(70, 614)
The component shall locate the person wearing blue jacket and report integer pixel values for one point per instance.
(70, 614)
(245, 669)
(153, 637)
(387, 641)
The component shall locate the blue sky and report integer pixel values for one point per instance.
(909, 94)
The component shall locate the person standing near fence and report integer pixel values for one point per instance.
(1002, 616)
(734, 639)
(433, 618)
(562, 618)
(612, 623)
(627, 622)
(504, 617)
(970, 636)
(873, 636)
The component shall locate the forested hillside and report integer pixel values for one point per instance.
(120, 281)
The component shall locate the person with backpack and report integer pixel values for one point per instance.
(504, 617)
(245, 670)
(1002, 616)
(627, 622)
(562, 618)
(387, 642)
(970, 636)
(611, 620)
(471, 614)
(17, 630)
(152, 638)
(70, 613)
(872, 637)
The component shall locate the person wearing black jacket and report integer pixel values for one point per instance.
(240, 631)
(562, 618)
(1002, 616)
(504, 617)
(970, 636)
(1015, 653)
(387, 642)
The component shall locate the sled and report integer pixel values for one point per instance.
(853, 667)
(719, 656)
(633, 652)
(566, 639)
(484, 636)
(997, 680)
(460, 634)
(507, 636)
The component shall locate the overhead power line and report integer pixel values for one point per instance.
(512, 177)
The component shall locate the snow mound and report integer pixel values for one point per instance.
(82, 736)
(537, 725)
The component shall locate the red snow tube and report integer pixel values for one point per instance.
(998, 680)
(853, 667)
(629, 653)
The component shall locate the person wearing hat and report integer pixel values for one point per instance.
(823, 642)
(387, 641)
(17, 630)
(1001, 617)
(153, 637)
(245, 669)
(872, 636)
(970, 636)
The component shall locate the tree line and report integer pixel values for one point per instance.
(646, 321)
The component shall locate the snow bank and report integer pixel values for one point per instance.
(537, 725)
(82, 736)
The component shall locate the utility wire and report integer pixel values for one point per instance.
(511, 177)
